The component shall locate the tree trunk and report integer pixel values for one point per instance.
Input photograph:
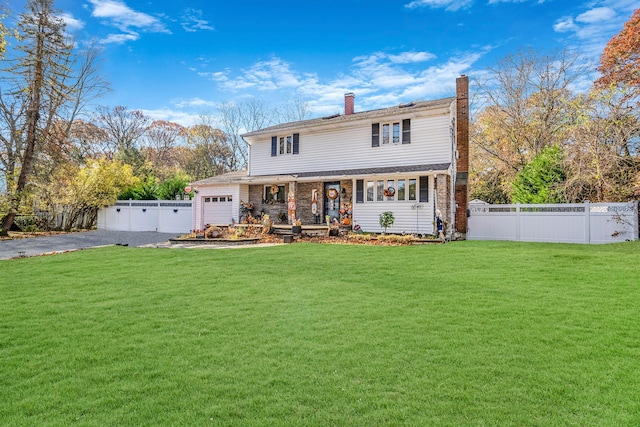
(33, 115)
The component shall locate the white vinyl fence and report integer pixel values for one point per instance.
(569, 223)
(163, 216)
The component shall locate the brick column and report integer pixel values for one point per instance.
(462, 147)
(443, 196)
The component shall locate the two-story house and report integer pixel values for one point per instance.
(409, 159)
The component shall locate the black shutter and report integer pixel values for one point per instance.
(375, 135)
(406, 131)
(424, 188)
(296, 143)
(274, 146)
(359, 191)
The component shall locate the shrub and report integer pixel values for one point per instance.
(386, 220)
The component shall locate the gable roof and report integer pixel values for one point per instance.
(344, 118)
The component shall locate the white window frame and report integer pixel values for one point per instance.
(374, 189)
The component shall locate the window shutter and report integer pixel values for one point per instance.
(274, 146)
(406, 131)
(424, 188)
(296, 143)
(375, 135)
(359, 191)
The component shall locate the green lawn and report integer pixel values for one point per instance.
(462, 334)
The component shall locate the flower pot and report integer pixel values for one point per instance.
(296, 229)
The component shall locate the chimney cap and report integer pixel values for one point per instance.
(350, 94)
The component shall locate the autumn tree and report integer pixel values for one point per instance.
(81, 190)
(207, 153)
(524, 106)
(124, 129)
(159, 146)
(4, 31)
(620, 60)
(44, 85)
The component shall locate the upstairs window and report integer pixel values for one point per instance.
(391, 133)
(385, 133)
(406, 131)
(396, 133)
(282, 145)
(375, 135)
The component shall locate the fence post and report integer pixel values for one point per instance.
(635, 219)
(518, 225)
(587, 222)
(130, 209)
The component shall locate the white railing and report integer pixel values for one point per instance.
(569, 223)
(163, 216)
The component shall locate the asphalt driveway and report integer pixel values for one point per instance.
(80, 240)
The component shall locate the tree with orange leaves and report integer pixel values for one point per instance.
(620, 61)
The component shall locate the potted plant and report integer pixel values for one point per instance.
(296, 227)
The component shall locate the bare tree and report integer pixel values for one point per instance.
(291, 111)
(238, 118)
(602, 155)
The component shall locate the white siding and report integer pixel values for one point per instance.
(408, 217)
(350, 148)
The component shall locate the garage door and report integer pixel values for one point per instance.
(217, 210)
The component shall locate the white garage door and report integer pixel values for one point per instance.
(217, 210)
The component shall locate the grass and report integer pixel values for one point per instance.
(462, 334)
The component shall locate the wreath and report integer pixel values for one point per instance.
(332, 193)
(274, 189)
(389, 192)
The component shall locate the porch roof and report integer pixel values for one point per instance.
(241, 177)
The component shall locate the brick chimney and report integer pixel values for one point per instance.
(462, 165)
(349, 99)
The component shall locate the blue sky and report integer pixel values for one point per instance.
(176, 59)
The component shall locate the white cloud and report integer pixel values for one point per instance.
(118, 14)
(194, 102)
(590, 30)
(120, 38)
(411, 57)
(515, 1)
(450, 5)
(192, 21)
(597, 14)
(378, 80)
(176, 116)
(564, 25)
(72, 23)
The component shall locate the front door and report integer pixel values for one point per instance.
(332, 200)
